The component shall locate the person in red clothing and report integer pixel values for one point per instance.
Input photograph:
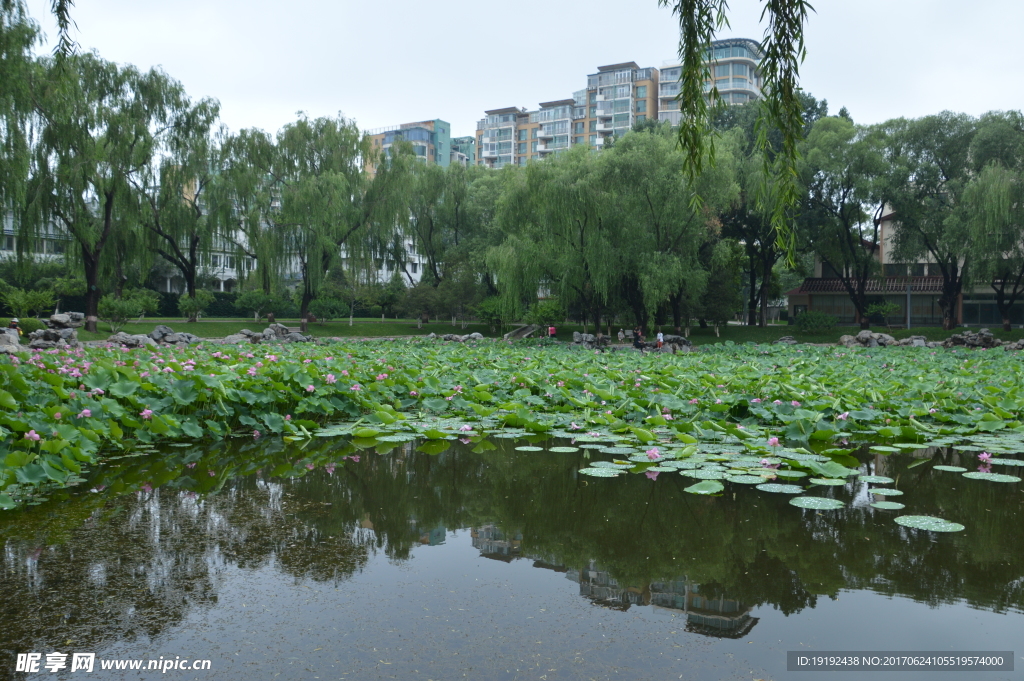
(551, 332)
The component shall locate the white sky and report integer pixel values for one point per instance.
(389, 63)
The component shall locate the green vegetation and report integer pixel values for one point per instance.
(60, 411)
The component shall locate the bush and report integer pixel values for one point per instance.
(193, 308)
(132, 304)
(813, 321)
(23, 303)
(326, 309)
(255, 303)
(545, 313)
(30, 324)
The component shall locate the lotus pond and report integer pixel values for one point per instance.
(408, 510)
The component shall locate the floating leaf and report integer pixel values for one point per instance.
(819, 503)
(927, 522)
(529, 448)
(617, 450)
(880, 479)
(661, 469)
(885, 449)
(561, 450)
(706, 487)
(992, 477)
(780, 489)
(609, 464)
(888, 505)
(827, 481)
(951, 469)
(704, 474)
(600, 472)
(784, 473)
(885, 492)
(1007, 462)
(745, 479)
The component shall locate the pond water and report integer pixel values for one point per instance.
(485, 562)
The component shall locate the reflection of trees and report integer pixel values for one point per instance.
(143, 560)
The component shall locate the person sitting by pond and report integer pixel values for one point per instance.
(14, 325)
(551, 332)
(622, 336)
(661, 338)
(638, 339)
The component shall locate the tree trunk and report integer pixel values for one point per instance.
(304, 311)
(1006, 323)
(92, 291)
(752, 302)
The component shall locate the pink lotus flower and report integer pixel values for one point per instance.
(465, 427)
(147, 487)
(344, 372)
(984, 457)
(57, 416)
(355, 457)
(287, 417)
(330, 469)
(310, 466)
(653, 454)
(356, 387)
(573, 426)
(32, 435)
(190, 465)
(756, 400)
(413, 393)
(331, 379)
(146, 413)
(212, 474)
(776, 402)
(85, 413)
(310, 388)
(794, 403)
(255, 435)
(932, 411)
(842, 417)
(695, 401)
(773, 442)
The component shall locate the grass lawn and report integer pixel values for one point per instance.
(371, 327)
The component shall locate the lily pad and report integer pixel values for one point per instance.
(601, 472)
(884, 449)
(889, 505)
(908, 445)
(706, 487)
(880, 479)
(1007, 462)
(704, 474)
(398, 437)
(661, 469)
(885, 492)
(927, 522)
(609, 464)
(784, 473)
(529, 448)
(992, 477)
(617, 450)
(745, 479)
(564, 449)
(780, 489)
(827, 481)
(950, 469)
(591, 446)
(819, 503)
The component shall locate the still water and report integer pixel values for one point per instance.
(483, 562)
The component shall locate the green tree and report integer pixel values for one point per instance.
(928, 165)
(840, 169)
(100, 124)
(18, 34)
(192, 307)
(118, 311)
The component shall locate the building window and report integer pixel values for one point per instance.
(641, 106)
(413, 266)
(215, 261)
(721, 70)
(521, 148)
(641, 117)
(641, 91)
(522, 134)
(578, 127)
(577, 140)
(533, 147)
(533, 134)
(593, 112)
(593, 96)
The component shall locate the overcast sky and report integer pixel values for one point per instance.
(389, 63)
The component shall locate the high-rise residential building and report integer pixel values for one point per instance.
(431, 140)
(464, 150)
(735, 70)
(616, 97)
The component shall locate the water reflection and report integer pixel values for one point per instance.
(96, 568)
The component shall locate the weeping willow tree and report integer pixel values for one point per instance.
(17, 36)
(994, 202)
(658, 227)
(172, 193)
(100, 124)
(559, 236)
(780, 107)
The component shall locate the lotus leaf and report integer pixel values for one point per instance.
(951, 469)
(706, 487)
(780, 489)
(827, 481)
(564, 449)
(609, 464)
(930, 523)
(992, 477)
(529, 448)
(745, 479)
(889, 505)
(885, 492)
(1007, 462)
(879, 479)
(816, 503)
(601, 472)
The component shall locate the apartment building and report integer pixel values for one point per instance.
(735, 66)
(431, 140)
(464, 150)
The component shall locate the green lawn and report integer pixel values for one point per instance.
(370, 327)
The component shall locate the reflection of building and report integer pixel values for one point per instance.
(493, 543)
(434, 537)
(722, 617)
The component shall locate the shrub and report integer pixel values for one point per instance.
(813, 321)
(193, 308)
(23, 303)
(326, 309)
(30, 324)
(545, 313)
(132, 304)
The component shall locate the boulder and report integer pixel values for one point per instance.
(577, 337)
(672, 339)
(864, 336)
(884, 339)
(982, 339)
(278, 330)
(297, 338)
(236, 338)
(431, 335)
(160, 332)
(10, 338)
(475, 336)
(786, 340)
(132, 340)
(848, 340)
(66, 320)
(246, 332)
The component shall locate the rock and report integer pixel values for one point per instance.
(786, 340)
(884, 339)
(577, 337)
(42, 344)
(431, 335)
(9, 339)
(872, 343)
(475, 336)
(864, 336)
(848, 340)
(672, 339)
(59, 321)
(297, 338)
(246, 332)
(236, 338)
(132, 340)
(918, 342)
(185, 337)
(278, 330)
(160, 331)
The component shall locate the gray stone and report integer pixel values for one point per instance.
(864, 336)
(132, 340)
(577, 337)
(297, 338)
(42, 344)
(246, 332)
(918, 342)
(160, 331)
(235, 339)
(278, 330)
(872, 343)
(171, 338)
(786, 340)
(59, 321)
(476, 336)
(847, 340)
(431, 335)
(68, 334)
(884, 339)
(10, 338)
